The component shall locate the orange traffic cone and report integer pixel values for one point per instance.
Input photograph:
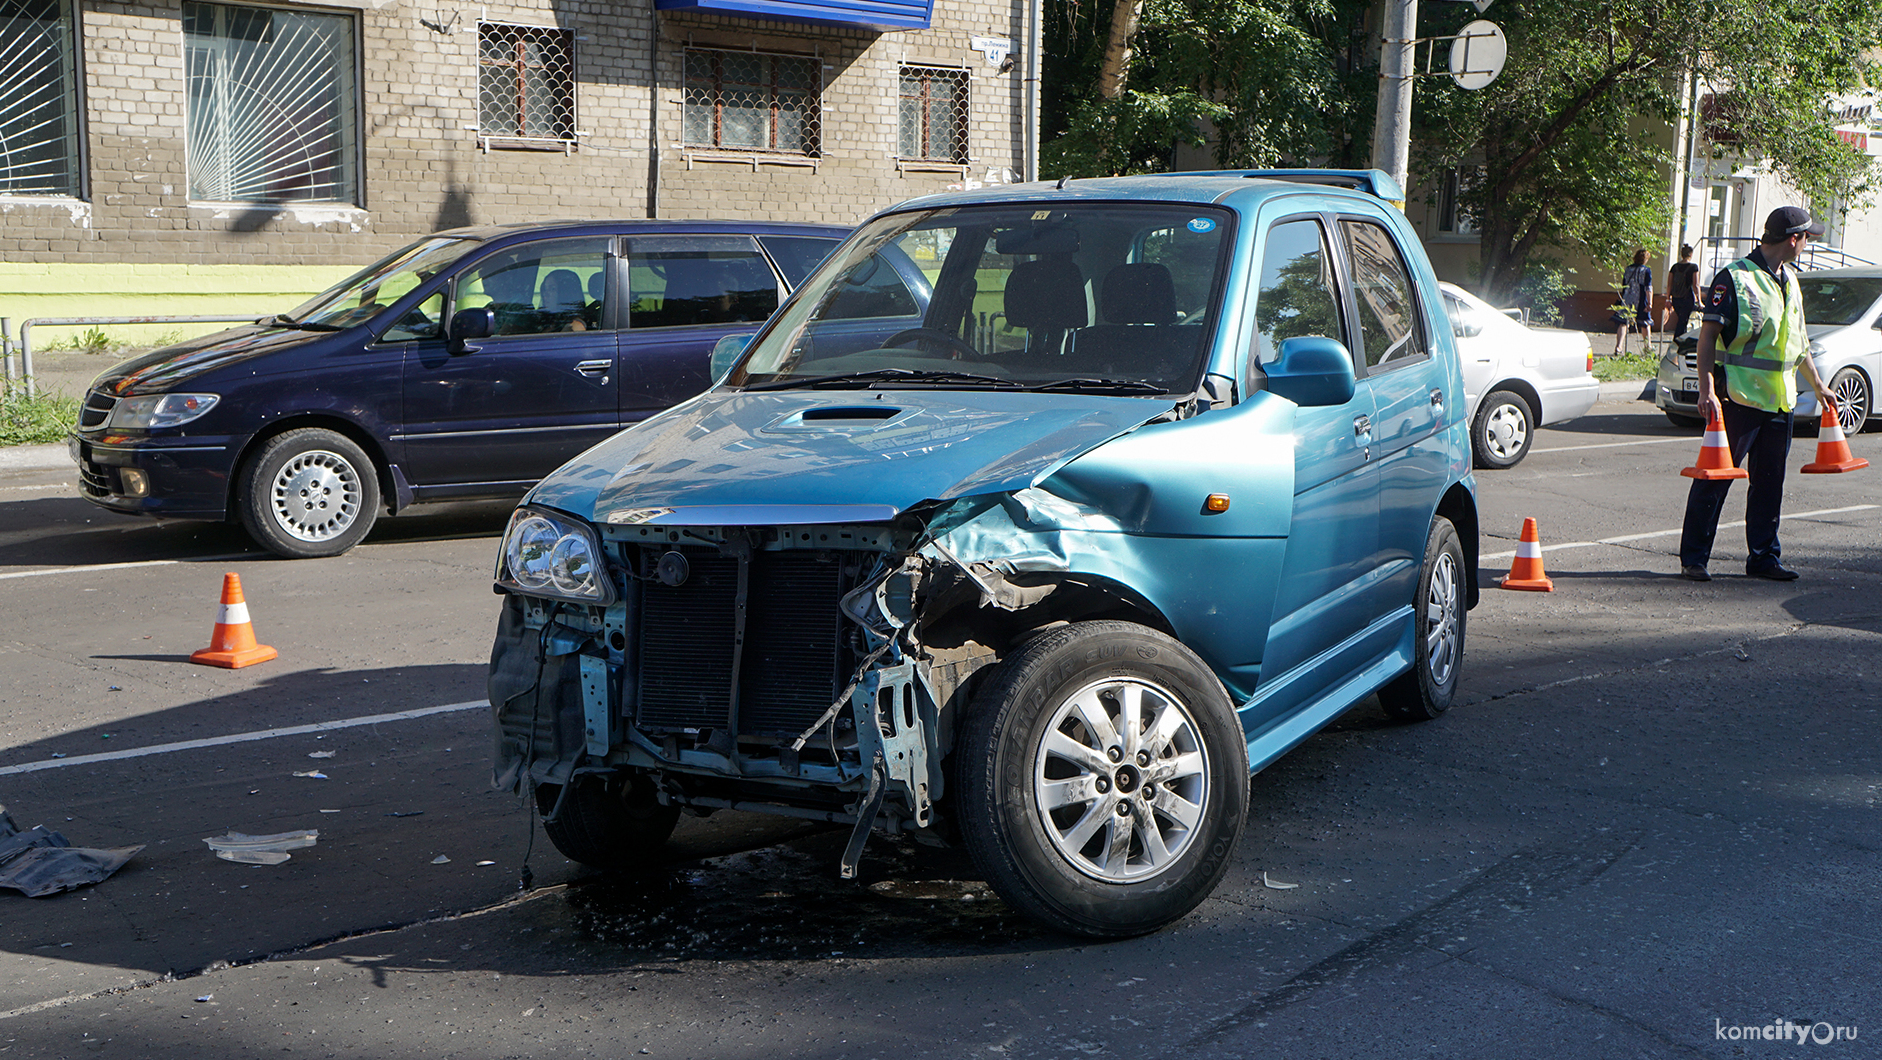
(1526, 569)
(1715, 455)
(1833, 453)
(233, 644)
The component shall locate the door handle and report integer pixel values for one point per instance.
(594, 368)
(1362, 426)
(1437, 398)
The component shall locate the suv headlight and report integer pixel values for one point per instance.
(161, 410)
(546, 554)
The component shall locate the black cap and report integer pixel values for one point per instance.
(1789, 221)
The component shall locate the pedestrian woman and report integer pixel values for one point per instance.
(1682, 289)
(1636, 304)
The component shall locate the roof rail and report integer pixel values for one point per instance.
(1375, 182)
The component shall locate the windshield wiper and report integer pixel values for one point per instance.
(282, 320)
(1115, 386)
(885, 375)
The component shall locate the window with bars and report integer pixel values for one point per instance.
(273, 105)
(934, 114)
(753, 101)
(38, 99)
(525, 83)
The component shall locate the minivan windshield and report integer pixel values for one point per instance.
(1115, 298)
(1839, 300)
(366, 292)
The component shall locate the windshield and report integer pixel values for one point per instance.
(1839, 301)
(371, 289)
(1109, 297)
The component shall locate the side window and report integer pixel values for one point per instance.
(676, 281)
(424, 321)
(798, 255)
(551, 286)
(1296, 296)
(1389, 326)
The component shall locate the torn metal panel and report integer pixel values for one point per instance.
(39, 861)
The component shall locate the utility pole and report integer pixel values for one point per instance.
(1391, 126)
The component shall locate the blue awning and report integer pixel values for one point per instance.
(869, 14)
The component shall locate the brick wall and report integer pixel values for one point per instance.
(423, 169)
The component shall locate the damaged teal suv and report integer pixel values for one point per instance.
(1035, 521)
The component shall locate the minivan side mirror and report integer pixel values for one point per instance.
(726, 352)
(1312, 370)
(467, 324)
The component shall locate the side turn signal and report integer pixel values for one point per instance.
(1217, 502)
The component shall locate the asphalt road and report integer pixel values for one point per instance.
(1652, 821)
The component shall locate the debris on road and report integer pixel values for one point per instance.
(314, 773)
(406, 813)
(39, 862)
(273, 849)
(1265, 882)
(441, 860)
(321, 754)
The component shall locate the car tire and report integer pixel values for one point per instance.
(1504, 428)
(1430, 687)
(606, 822)
(1853, 399)
(1040, 790)
(1684, 421)
(308, 493)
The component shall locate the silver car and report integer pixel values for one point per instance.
(1516, 377)
(1843, 309)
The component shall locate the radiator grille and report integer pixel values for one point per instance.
(793, 658)
(97, 410)
(686, 643)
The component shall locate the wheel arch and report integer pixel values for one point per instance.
(1519, 386)
(1459, 505)
(360, 436)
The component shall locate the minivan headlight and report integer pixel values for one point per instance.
(161, 410)
(546, 554)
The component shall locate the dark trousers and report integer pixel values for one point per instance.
(1682, 312)
(1761, 444)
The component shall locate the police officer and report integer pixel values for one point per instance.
(1750, 344)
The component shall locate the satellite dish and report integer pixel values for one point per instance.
(1477, 54)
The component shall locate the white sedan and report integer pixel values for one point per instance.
(1516, 378)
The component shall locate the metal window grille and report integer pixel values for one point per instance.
(934, 114)
(753, 101)
(38, 99)
(273, 105)
(525, 83)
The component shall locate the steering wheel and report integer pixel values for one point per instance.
(960, 347)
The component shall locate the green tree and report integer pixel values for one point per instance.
(1268, 81)
(1571, 136)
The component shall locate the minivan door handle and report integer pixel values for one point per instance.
(594, 368)
(1362, 426)
(1437, 398)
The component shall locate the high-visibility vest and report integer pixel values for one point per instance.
(1761, 360)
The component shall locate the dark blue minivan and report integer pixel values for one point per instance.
(465, 366)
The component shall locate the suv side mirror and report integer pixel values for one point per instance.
(1312, 370)
(726, 352)
(469, 324)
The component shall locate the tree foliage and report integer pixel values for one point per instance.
(1258, 82)
(1571, 138)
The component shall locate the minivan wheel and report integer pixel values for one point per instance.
(1851, 389)
(308, 493)
(606, 822)
(1505, 426)
(1103, 779)
(1430, 686)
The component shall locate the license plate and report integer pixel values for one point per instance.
(1690, 386)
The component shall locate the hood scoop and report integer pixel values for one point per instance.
(837, 418)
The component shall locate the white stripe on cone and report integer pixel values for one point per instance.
(1716, 440)
(232, 614)
(1836, 431)
(1529, 550)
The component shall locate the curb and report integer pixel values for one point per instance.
(1627, 390)
(35, 458)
